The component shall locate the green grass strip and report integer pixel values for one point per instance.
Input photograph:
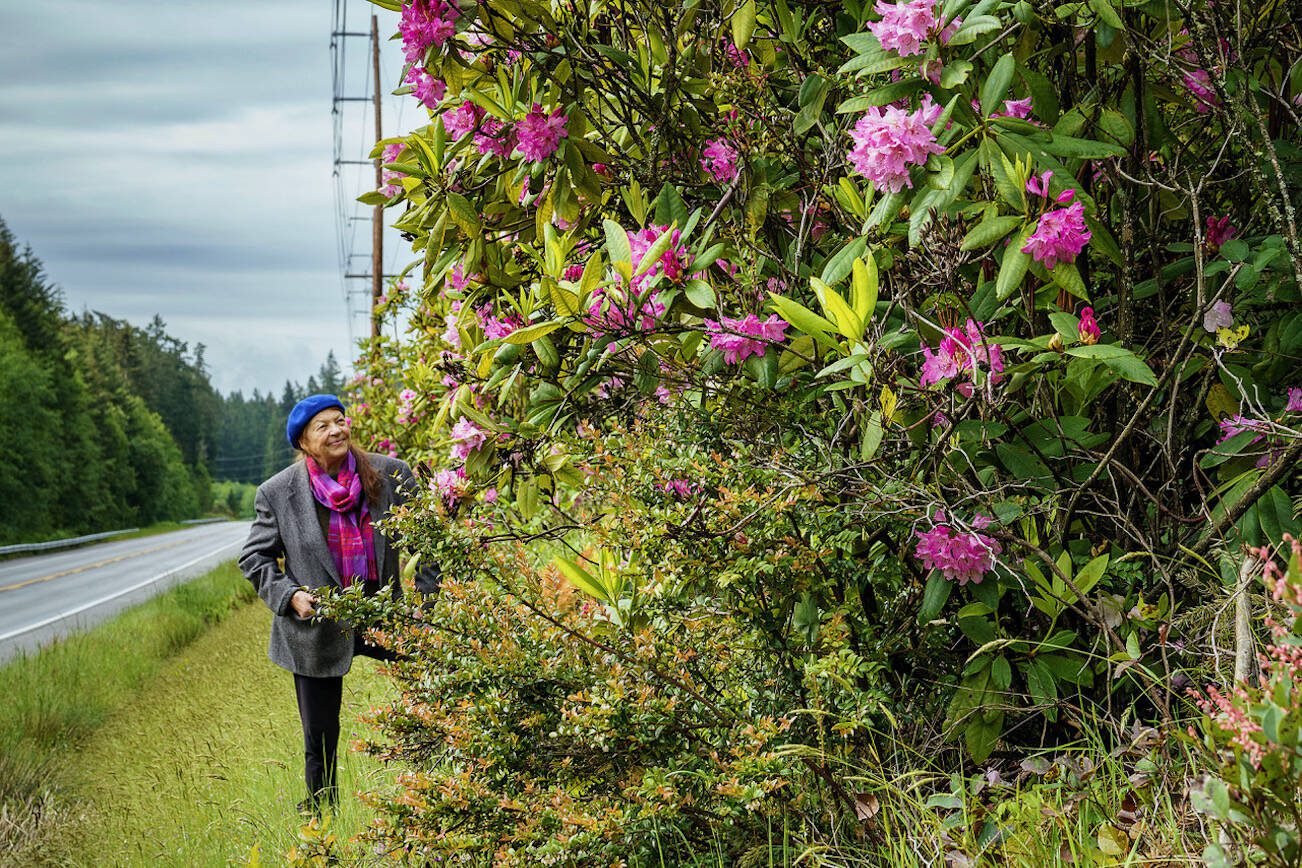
(206, 766)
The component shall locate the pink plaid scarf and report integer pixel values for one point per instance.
(351, 542)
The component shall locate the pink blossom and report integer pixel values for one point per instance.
(451, 333)
(1040, 187)
(1228, 710)
(1059, 236)
(679, 488)
(451, 485)
(1016, 108)
(672, 264)
(457, 278)
(887, 142)
(719, 159)
(1088, 329)
(494, 137)
(428, 89)
(540, 134)
(1219, 230)
(1219, 316)
(495, 328)
(426, 23)
(961, 351)
(731, 336)
(962, 556)
(406, 401)
(573, 271)
(1199, 83)
(906, 25)
(1294, 404)
(462, 119)
(736, 56)
(466, 438)
(391, 187)
(490, 495)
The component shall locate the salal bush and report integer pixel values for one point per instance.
(790, 378)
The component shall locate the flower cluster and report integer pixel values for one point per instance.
(961, 556)
(495, 327)
(1061, 234)
(451, 485)
(672, 264)
(426, 23)
(1229, 711)
(406, 404)
(391, 186)
(887, 141)
(719, 159)
(539, 134)
(1219, 230)
(466, 438)
(742, 338)
(961, 351)
(680, 489)
(906, 25)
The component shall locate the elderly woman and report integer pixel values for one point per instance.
(319, 516)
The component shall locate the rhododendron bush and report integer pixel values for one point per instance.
(793, 379)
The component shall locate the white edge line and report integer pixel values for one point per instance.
(111, 597)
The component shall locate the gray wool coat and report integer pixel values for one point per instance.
(286, 527)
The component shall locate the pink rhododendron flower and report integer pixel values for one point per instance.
(1059, 236)
(672, 263)
(887, 142)
(391, 188)
(539, 134)
(406, 400)
(495, 328)
(1219, 230)
(906, 25)
(490, 495)
(679, 488)
(1088, 329)
(1016, 108)
(425, 23)
(1219, 316)
(457, 277)
(961, 556)
(451, 485)
(1294, 404)
(719, 159)
(573, 272)
(961, 351)
(494, 137)
(466, 437)
(739, 339)
(738, 57)
(1040, 187)
(428, 89)
(1199, 83)
(462, 119)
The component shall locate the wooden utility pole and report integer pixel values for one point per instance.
(377, 218)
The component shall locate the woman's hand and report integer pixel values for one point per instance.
(303, 604)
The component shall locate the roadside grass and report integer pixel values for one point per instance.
(55, 698)
(205, 766)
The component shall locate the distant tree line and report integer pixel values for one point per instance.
(110, 425)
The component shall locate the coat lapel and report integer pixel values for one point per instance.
(304, 506)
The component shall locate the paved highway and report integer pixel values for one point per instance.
(51, 595)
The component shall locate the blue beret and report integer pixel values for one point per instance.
(303, 412)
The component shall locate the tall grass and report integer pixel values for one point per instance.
(53, 699)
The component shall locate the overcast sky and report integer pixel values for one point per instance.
(176, 158)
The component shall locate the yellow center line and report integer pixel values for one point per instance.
(82, 569)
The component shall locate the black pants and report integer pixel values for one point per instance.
(319, 701)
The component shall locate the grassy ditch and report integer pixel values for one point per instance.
(208, 768)
(56, 698)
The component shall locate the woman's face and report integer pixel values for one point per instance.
(326, 437)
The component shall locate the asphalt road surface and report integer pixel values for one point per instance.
(47, 596)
